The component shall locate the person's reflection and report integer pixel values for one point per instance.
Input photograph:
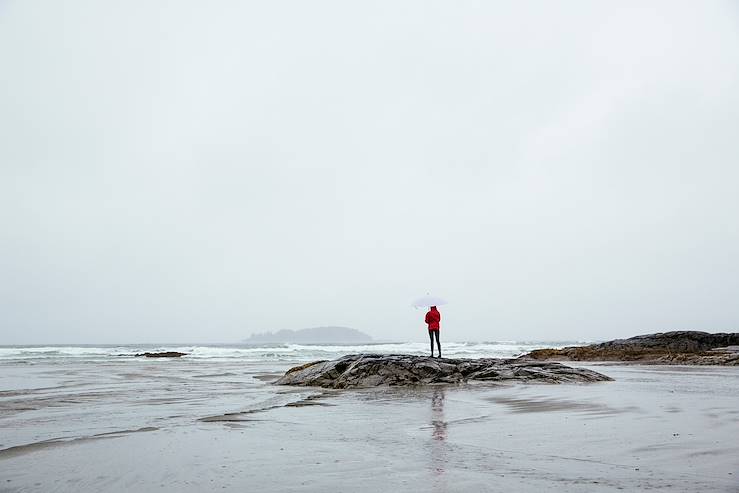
(437, 415)
(438, 437)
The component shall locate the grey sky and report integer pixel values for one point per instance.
(198, 171)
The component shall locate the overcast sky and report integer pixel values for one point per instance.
(202, 170)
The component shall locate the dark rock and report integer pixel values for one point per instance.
(372, 370)
(163, 354)
(678, 347)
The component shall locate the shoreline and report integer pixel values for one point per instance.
(223, 425)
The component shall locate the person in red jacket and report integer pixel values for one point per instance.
(433, 317)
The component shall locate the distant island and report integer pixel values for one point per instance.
(313, 335)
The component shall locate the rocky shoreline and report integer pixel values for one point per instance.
(373, 370)
(668, 348)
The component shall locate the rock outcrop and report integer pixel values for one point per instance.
(678, 347)
(163, 354)
(373, 370)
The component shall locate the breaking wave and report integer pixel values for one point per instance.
(274, 352)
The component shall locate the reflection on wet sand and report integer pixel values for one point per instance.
(437, 415)
(543, 404)
(438, 440)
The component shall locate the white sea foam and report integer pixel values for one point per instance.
(274, 352)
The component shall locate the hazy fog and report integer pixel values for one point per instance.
(198, 171)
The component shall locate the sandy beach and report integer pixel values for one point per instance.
(194, 425)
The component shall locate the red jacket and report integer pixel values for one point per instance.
(433, 317)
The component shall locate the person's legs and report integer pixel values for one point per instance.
(438, 344)
(431, 336)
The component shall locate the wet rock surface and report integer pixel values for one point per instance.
(163, 354)
(677, 347)
(373, 370)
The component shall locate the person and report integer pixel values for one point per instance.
(433, 317)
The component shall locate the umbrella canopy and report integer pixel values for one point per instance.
(426, 301)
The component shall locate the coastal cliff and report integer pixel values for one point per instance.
(373, 370)
(677, 347)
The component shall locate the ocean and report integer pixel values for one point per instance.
(92, 418)
(85, 386)
(277, 352)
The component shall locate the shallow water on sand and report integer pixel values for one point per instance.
(96, 424)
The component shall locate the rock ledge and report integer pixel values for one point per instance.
(373, 370)
(162, 354)
(684, 347)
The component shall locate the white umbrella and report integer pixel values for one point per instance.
(426, 301)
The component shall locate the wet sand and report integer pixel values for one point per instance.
(184, 426)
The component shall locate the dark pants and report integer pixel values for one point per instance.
(432, 334)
